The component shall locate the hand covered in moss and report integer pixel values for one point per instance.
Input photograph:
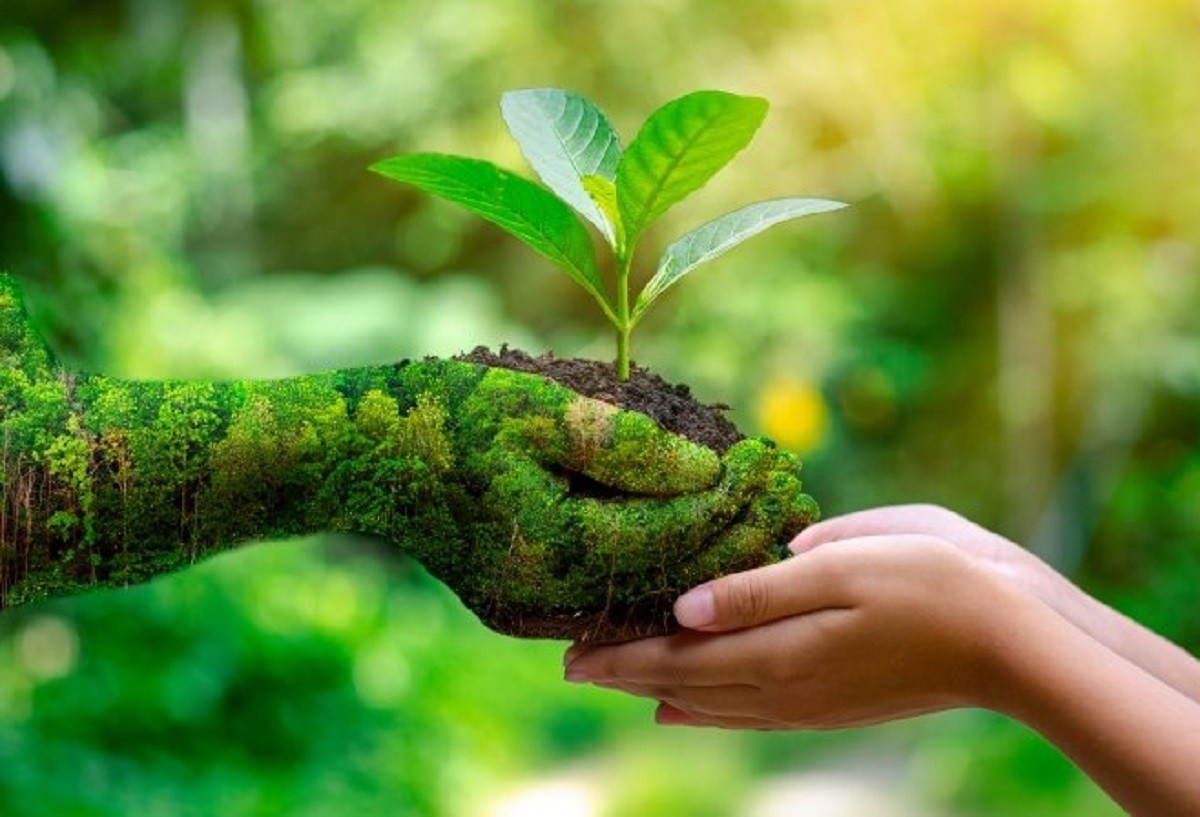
(549, 513)
(581, 520)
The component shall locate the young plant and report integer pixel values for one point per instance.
(575, 150)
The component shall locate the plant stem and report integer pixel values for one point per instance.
(624, 325)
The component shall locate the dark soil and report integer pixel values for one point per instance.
(671, 405)
(597, 628)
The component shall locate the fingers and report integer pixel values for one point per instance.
(731, 706)
(824, 578)
(929, 520)
(625, 450)
(756, 536)
(801, 584)
(668, 714)
(693, 659)
(728, 699)
(653, 542)
(641, 457)
(679, 660)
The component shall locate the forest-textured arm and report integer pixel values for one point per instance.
(549, 513)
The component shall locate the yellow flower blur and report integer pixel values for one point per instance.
(793, 413)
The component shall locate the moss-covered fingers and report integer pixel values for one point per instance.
(549, 513)
(591, 519)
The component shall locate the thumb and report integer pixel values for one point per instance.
(624, 450)
(801, 584)
(640, 456)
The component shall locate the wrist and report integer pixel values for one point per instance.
(1047, 665)
(1090, 616)
(1040, 582)
(1124, 727)
(1015, 648)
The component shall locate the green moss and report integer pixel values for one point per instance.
(548, 513)
(422, 435)
(639, 457)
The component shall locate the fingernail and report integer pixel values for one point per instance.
(577, 674)
(667, 715)
(797, 545)
(696, 608)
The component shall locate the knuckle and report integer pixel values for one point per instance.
(742, 599)
(936, 545)
(937, 513)
(938, 556)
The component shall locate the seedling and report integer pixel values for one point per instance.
(574, 149)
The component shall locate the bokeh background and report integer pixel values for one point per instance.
(1007, 322)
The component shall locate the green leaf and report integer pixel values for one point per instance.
(564, 137)
(517, 205)
(604, 194)
(682, 145)
(722, 234)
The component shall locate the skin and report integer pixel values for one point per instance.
(474, 471)
(896, 612)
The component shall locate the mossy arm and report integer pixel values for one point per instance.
(548, 513)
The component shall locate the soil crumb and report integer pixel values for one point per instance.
(671, 405)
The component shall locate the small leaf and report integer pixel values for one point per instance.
(682, 145)
(519, 206)
(564, 137)
(604, 194)
(722, 234)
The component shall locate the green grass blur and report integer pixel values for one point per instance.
(1007, 322)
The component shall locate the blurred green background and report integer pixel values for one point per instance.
(1007, 322)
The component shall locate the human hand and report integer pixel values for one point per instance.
(1024, 571)
(852, 633)
(584, 521)
(987, 549)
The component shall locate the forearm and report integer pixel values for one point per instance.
(109, 482)
(1132, 733)
(1146, 649)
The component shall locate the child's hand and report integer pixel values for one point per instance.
(988, 550)
(1024, 571)
(851, 633)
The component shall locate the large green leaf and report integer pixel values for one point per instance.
(682, 145)
(565, 137)
(519, 206)
(720, 235)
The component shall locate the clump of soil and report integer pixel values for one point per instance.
(672, 406)
(653, 617)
